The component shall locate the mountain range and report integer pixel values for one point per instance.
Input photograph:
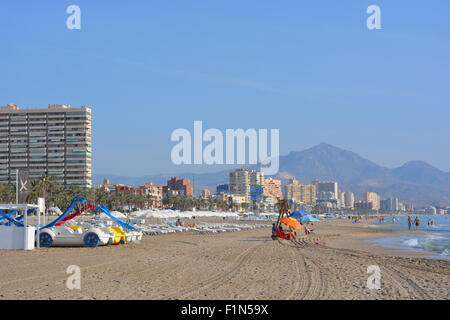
(414, 182)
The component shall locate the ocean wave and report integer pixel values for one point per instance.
(438, 244)
(411, 243)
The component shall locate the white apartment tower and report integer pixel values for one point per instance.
(53, 141)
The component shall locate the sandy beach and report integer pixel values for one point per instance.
(235, 265)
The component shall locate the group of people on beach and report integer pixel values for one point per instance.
(280, 233)
(179, 223)
(291, 234)
(416, 221)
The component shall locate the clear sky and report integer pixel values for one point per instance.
(309, 68)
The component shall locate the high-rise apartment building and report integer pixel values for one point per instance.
(256, 177)
(247, 183)
(272, 187)
(327, 187)
(374, 198)
(308, 194)
(300, 193)
(349, 199)
(364, 205)
(53, 141)
(292, 190)
(390, 204)
(239, 183)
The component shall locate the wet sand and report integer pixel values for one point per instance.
(236, 265)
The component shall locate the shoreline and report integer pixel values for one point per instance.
(365, 239)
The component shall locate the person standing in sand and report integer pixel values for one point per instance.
(417, 221)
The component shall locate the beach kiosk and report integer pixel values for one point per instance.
(17, 235)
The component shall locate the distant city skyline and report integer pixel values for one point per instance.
(312, 70)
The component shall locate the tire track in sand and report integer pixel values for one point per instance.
(389, 273)
(424, 295)
(230, 273)
(313, 284)
(304, 282)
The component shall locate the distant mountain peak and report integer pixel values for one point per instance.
(326, 145)
(320, 148)
(417, 164)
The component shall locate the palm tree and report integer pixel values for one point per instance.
(149, 200)
(47, 183)
(7, 193)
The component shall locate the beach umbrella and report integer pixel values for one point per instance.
(291, 222)
(296, 214)
(308, 219)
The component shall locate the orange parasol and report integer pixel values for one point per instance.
(291, 222)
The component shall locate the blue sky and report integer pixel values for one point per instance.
(309, 68)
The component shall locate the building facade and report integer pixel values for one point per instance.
(349, 199)
(390, 204)
(373, 198)
(308, 194)
(328, 187)
(55, 141)
(182, 186)
(206, 193)
(292, 190)
(239, 183)
(364, 205)
(222, 188)
(272, 187)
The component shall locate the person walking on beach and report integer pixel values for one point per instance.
(417, 221)
(409, 223)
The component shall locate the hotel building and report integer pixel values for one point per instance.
(272, 188)
(308, 194)
(349, 199)
(329, 187)
(54, 141)
(177, 186)
(373, 198)
(239, 184)
(292, 190)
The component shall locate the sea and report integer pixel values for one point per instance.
(435, 240)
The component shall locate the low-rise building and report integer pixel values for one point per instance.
(206, 193)
(431, 211)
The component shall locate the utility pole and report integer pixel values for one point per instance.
(17, 186)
